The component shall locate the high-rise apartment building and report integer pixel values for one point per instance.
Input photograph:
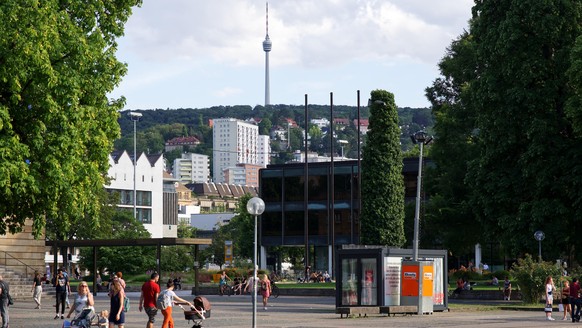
(264, 149)
(192, 168)
(234, 142)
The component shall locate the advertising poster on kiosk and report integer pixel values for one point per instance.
(438, 296)
(392, 267)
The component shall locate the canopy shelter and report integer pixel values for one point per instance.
(158, 242)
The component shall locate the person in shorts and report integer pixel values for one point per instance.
(147, 301)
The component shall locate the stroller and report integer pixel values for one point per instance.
(85, 319)
(199, 312)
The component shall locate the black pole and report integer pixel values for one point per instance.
(196, 266)
(95, 272)
(306, 192)
(332, 188)
(359, 175)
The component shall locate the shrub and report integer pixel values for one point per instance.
(531, 277)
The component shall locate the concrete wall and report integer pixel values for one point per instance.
(22, 253)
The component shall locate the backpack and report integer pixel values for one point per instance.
(125, 303)
(162, 302)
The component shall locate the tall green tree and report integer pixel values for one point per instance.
(57, 124)
(448, 212)
(382, 221)
(515, 72)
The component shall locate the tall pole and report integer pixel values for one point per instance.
(134, 170)
(255, 207)
(332, 188)
(306, 193)
(417, 211)
(255, 277)
(359, 176)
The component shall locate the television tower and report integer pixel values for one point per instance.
(267, 48)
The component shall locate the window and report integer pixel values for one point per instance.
(369, 282)
(349, 282)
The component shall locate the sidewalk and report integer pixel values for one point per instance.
(287, 312)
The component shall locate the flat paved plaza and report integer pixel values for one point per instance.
(288, 311)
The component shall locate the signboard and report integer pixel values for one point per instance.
(392, 267)
(228, 252)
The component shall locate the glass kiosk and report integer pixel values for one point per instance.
(371, 276)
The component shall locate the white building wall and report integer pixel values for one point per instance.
(192, 168)
(149, 178)
(264, 151)
(234, 142)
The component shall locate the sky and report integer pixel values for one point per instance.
(199, 54)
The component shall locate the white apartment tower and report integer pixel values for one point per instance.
(264, 148)
(192, 168)
(234, 142)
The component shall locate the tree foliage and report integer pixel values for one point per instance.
(57, 125)
(131, 260)
(531, 277)
(508, 156)
(382, 220)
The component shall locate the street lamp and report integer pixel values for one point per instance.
(342, 143)
(255, 207)
(539, 236)
(422, 139)
(134, 116)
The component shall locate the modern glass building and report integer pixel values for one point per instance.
(333, 219)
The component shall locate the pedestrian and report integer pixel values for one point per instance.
(117, 295)
(265, 290)
(119, 276)
(169, 298)
(62, 289)
(66, 274)
(4, 292)
(147, 301)
(37, 289)
(83, 300)
(550, 288)
(575, 299)
(566, 300)
(507, 289)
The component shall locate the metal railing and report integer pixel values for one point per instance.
(27, 268)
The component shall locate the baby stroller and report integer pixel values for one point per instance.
(198, 313)
(83, 320)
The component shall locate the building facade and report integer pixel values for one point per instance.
(192, 168)
(234, 142)
(149, 187)
(326, 220)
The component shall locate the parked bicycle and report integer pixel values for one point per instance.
(274, 290)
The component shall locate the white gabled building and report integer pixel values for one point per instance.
(149, 187)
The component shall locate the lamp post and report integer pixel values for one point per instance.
(539, 236)
(134, 116)
(343, 142)
(422, 139)
(255, 207)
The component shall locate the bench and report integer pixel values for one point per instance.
(359, 310)
(399, 309)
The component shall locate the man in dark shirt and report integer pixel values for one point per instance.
(575, 299)
(62, 288)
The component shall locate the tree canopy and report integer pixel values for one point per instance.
(508, 153)
(57, 125)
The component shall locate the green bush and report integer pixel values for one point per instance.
(531, 277)
(467, 275)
